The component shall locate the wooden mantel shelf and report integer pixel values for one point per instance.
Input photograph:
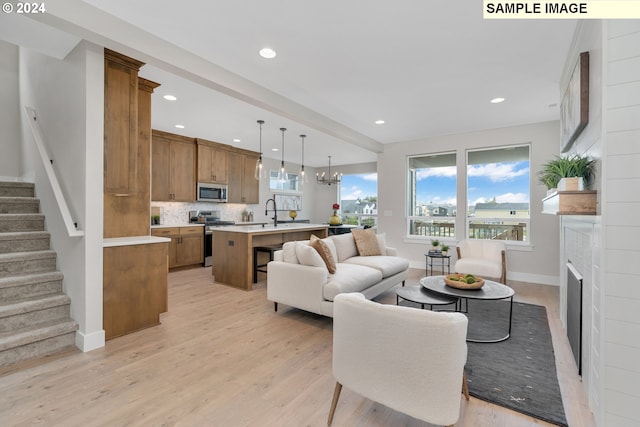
(570, 203)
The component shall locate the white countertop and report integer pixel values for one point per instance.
(134, 240)
(268, 228)
(194, 224)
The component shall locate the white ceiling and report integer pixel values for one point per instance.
(425, 67)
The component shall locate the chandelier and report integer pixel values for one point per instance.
(329, 179)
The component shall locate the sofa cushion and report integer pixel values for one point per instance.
(482, 267)
(325, 253)
(350, 278)
(366, 242)
(345, 246)
(289, 252)
(308, 255)
(387, 265)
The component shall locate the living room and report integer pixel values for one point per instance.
(608, 137)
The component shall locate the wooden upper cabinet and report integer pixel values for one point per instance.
(127, 156)
(243, 187)
(182, 166)
(120, 123)
(212, 163)
(173, 167)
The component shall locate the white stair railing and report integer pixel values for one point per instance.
(51, 175)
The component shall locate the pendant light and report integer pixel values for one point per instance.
(329, 179)
(283, 176)
(302, 177)
(259, 172)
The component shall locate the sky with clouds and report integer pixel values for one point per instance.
(507, 182)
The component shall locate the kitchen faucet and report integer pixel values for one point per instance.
(275, 211)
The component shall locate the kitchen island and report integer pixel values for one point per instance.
(233, 248)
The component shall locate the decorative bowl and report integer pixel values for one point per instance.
(477, 284)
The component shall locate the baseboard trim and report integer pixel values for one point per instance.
(88, 342)
(511, 275)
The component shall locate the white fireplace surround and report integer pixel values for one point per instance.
(580, 246)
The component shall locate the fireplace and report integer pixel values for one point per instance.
(574, 313)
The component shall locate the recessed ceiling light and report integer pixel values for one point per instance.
(379, 122)
(274, 149)
(236, 140)
(497, 100)
(170, 97)
(180, 126)
(267, 52)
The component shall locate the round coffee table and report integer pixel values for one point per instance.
(490, 291)
(421, 296)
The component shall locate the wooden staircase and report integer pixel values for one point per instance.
(34, 312)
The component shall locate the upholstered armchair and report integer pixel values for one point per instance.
(408, 359)
(485, 258)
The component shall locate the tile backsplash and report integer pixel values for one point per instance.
(176, 213)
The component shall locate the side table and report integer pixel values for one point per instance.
(445, 261)
(419, 295)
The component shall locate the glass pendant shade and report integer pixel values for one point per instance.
(302, 177)
(283, 176)
(259, 172)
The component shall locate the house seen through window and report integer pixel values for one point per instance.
(359, 199)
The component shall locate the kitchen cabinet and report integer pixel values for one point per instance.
(173, 163)
(186, 247)
(127, 129)
(134, 287)
(243, 187)
(212, 163)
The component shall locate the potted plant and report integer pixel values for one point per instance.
(445, 250)
(567, 173)
(435, 243)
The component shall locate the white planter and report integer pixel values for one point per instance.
(572, 184)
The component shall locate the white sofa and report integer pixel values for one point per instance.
(298, 276)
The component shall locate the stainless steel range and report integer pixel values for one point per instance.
(209, 219)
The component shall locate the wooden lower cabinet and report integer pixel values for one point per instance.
(134, 287)
(186, 247)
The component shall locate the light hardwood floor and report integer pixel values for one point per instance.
(222, 357)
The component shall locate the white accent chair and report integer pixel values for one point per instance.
(408, 359)
(484, 258)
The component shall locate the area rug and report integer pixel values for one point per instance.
(519, 373)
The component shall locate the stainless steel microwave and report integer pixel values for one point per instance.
(207, 192)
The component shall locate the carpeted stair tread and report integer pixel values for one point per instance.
(40, 302)
(33, 333)
(30, 279)
(24, 235)
(14, 188)
(9, 205)
(11, 222)
(24, 241)
(17, 256)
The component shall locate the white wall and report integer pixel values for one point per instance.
(68, 98)
(9, 112)
(581, 236)
(538, 263)
(621, 229)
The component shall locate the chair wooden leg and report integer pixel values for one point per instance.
(334, 402)
(275, 306)
(465, 386)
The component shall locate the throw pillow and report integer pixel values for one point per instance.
(324, 252)
(382, 242)
(308, 255)
(345, 246)
(366, 242)
(289, 252)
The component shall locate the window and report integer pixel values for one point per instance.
(498, 193)
(290, 185)
(359, 199)
(432, 195)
